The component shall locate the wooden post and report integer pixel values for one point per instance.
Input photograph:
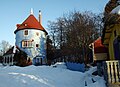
(108, 72)
(116, 71)
(112, 73)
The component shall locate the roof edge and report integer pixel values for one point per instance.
(30, 29)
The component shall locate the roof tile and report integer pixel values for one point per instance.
(30, 23)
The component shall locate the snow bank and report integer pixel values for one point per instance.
(76, 66)
(93, 81)
(60, 65)
(46, 76)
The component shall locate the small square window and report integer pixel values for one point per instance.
(26, 32)
(37, 33)
(37, 45)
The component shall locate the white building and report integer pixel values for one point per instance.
(31, 38)
(8, 57)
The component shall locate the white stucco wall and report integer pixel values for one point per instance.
(37, 39)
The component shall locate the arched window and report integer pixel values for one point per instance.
(4, 59)
(7, 59)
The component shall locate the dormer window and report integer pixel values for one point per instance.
(25, 24)
(26, 32)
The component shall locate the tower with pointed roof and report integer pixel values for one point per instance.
(31, 38)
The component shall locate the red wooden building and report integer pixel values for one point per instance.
(100, 52)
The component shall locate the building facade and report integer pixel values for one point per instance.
(8, 57)
(31, 38)
(111, 33)
(111, 39)
(99, 51)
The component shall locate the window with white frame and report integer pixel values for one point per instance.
(26, 32)
(27, 43)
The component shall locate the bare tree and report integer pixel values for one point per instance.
(73, 33)
(4, 45)
(50, 51)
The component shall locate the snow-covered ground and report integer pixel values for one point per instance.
(48, 76)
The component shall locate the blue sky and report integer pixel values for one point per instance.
(14, 12)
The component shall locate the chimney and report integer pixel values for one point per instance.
(31, 11)
(40, 18)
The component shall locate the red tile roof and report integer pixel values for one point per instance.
(98, 47)
(30, 23)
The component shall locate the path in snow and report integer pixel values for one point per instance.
(47, 76)
(32, 77)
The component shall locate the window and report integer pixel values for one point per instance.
(37, 33)
(37, 45)
(115, 33)
(26, 32)
(27, 44)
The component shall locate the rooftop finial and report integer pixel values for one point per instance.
(39, 12)
(31, 12)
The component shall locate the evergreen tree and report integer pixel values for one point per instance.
(50, 51)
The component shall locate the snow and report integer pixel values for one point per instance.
(116, 10)
(60, 65)
(48, 76)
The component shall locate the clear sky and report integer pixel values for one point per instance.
(14, 12)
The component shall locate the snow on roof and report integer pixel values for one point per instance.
(10, 51)
(116, 10)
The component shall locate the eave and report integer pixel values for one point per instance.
(110, 21)
(106, 35)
